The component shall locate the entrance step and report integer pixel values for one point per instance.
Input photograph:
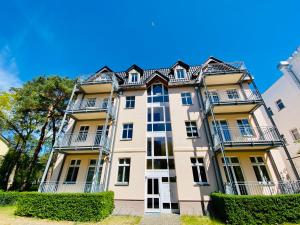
(160, 219)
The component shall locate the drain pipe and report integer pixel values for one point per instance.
(208, 137)
(112, 147)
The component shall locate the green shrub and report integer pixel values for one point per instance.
(246, 209)
(9, 197)
(66, 206)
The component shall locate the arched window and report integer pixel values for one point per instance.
(158, 93)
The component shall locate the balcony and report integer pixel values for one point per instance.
(245, 138)
(82, 142)
(90, 110)
(263, 188)
(223, 73)
(70, 187)
(232, 101)
(102, 84)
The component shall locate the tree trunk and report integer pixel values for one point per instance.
(37, 150)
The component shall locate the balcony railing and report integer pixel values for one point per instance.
(244, 135)
(72, 187)
(231, 97)
(222, 67)
(83, 140)
(91, 106)
(263, 188)
(101, 78)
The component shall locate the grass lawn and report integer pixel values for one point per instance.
(7, 217)
(198, 220)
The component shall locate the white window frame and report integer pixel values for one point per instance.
(293, 136)
(126, 139)
(184, 95)
(132, 75)
(258, 165)
(124, 164)
(74, 166)
(198, 165)
(183, 73)
(131, 101)
(276, 102)
(190, 127)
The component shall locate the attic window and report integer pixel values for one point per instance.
(180, 73)
(134, 78)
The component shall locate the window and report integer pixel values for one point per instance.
(198, 170)
(73, 171)
(186, 98)
(160, 153)
(180, 73)
(232, 94)
(191, 128)
(134, 78)
(245, 127)
(157, 93)
(270, 112)
(295, 134)
(158, 119)
(280, 104)
(91, 173)
(123, 170)
(130, 102)
(82, 135)
(127, 131)
(260, 169)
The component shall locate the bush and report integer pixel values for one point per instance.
(8, 197)
(246, 209)
(66, 206)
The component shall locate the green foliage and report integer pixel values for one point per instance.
(66, 206)
(9, 198)
(239, 209)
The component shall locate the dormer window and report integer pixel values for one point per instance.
(134, 78)
(180, 73)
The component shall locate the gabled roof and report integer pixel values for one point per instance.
(212, 59)
(104, 69)
(135, 67)
(156, 75)
(182, 64)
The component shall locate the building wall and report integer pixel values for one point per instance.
(3, 147)
(288, 118)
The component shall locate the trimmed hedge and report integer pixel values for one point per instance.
(9, 197)
(66, 206)
(247, 209)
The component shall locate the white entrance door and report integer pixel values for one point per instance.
(153, 195)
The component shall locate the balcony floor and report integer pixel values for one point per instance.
(88, 115)
(223, 78)
(250, 146)
(93, 88)
(235, 107)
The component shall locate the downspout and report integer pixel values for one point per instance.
(209, 139)
(112, 147)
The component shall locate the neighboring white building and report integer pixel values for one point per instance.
(283, 101)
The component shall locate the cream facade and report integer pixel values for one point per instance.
(3, 147)
(164, 139)
(282, 99)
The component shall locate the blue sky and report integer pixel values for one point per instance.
(70, 38)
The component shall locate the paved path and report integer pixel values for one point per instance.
(160, 219)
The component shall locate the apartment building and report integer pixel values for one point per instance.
(164, 139)
(283, 101)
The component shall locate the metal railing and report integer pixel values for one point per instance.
(70, 187)
(244, 135)
(108, 77)
(222, 67)
(81, 140)
(233, 96)
(263, 188)
(91, 106)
